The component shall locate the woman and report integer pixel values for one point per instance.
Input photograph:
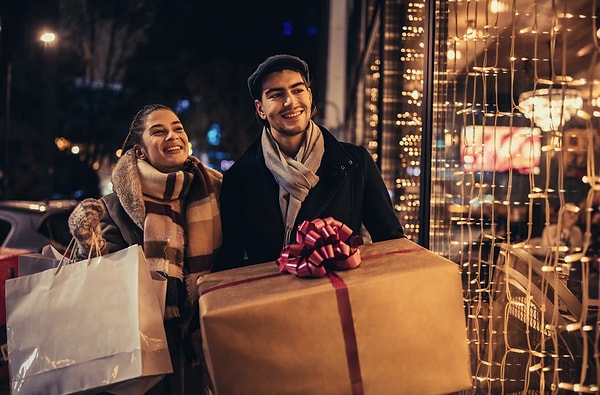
(166, 201)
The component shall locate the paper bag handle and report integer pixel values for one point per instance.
(69, 255)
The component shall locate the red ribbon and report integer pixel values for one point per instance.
(347, 321)
(322, 245)
(325, 245)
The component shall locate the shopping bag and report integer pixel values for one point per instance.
(50, 258)
(8, 269)
(37, 262)
(90, 325)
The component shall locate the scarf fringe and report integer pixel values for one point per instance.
(171, 312)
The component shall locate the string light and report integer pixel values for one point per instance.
(500, 67)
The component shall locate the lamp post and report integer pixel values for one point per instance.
(48, 39)
(7, 127)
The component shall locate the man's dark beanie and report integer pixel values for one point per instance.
(276, 63)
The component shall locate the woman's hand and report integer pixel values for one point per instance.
(84, 224)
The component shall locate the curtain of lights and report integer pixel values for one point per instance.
(391, 97)
(515, 191)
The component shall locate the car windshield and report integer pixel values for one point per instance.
(55, 227)
(32, 225)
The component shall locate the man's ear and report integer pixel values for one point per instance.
(259, 109)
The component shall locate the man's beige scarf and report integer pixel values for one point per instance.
(295, 176)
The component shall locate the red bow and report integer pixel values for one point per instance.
(322, 245)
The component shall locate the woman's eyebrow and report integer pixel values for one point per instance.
(160, 125)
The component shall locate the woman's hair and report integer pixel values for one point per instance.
(136, 129)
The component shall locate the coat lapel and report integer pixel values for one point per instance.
(333, 173)
(268, 198)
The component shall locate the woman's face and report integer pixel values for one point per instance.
(164, 142)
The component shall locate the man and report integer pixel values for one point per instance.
(296, 170)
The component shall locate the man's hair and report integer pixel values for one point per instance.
(276, 63)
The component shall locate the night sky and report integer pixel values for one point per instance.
(194, 51)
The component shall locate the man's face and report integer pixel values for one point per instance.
(286, 103)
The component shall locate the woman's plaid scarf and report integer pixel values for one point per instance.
(182, 226)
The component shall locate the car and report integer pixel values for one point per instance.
(31, 225)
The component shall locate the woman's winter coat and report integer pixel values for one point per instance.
(123, 221)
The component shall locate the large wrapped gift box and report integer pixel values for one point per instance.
(394, 325)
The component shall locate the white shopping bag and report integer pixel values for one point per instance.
(89, 325)
(31, 263)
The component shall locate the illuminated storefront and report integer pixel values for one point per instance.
(483, 118)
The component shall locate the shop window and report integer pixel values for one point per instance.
(516, 111)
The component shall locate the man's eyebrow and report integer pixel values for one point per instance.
(276, 89)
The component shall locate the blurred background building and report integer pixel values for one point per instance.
(482, 116)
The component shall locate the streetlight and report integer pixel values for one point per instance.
(47, 37)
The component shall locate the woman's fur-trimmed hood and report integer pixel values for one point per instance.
(128, 187)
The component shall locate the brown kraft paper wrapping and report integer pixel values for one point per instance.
(271, 333)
